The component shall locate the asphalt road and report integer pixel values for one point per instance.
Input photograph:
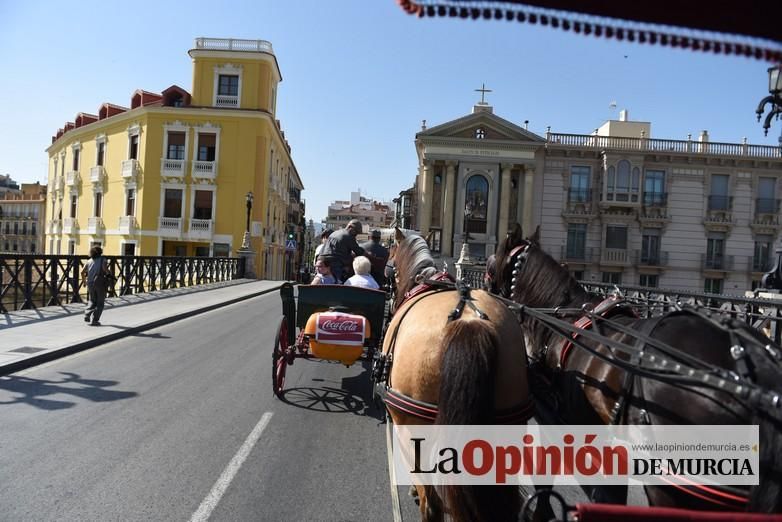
(156, 427)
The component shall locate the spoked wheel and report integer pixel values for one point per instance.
(280, 358)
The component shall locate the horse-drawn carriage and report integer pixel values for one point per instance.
(331, 322)
(453, 355)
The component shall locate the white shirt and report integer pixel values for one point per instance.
(362, 281)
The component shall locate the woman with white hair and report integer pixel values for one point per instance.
(362, 267)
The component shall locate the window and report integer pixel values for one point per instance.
(579, 184)
(176, 146)
(766, 202)
(648, 280)
(622, 182)
(133, 152)
(712, 286)
(98, 203)
(32, 228)
(16, 228)
(221, 250)
(437, 194)
(228, 85)
(202, 251)
(718, 198)
(101, 153)
(172, 205)
(761, 260)
(650, 247)
(654, 188)
(576, 241)
(32, 247)
(130, 202)
(129, 249)
(24, 228)
(715, 250)
(578, 275)
(74, 201)
(614, 278)
(76, 153)
(476, 204)
(436, 238)
(71, 247)
(202, 204)
(206, 147)
(616, 237)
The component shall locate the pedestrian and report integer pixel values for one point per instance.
(96, 273)
(323, 275)
(324, 236)
(340, 249)
(380, 258)
(362, 277)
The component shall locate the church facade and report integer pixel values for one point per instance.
(615, 205)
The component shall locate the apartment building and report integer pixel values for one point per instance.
(169, 174)
(22, 218)
(616, 204)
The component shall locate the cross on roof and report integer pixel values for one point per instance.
(483, 90)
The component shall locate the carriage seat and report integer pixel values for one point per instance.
(337, 336)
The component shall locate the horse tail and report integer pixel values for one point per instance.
(470, 350)
(766, 497)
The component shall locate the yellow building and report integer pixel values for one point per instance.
(169, 175)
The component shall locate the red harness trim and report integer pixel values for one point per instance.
(605, 309)
(424, 287)
(708, 494)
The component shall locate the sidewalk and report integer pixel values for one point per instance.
(31, 337)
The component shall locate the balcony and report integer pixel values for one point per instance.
(614, 256)
(172, 168)
(70, 226)
(59, 184)
(72, 178)
(170, 226)
(95, 225)
(97, 174)
(579, 204)
(651, 259)
(717, 262)
(576, 256)
(766, 206)
(655, 199)
(226, 101)
(720, 203)
(760, 263)
(204, 169)
(127, 224)
(200, 229)
(129, 169)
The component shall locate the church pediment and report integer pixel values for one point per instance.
(480, 125)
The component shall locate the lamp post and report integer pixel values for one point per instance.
(246, 239)
(775, 98)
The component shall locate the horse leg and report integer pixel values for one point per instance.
(414, 494)
(430, 504)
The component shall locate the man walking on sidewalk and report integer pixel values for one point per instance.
(96, 273)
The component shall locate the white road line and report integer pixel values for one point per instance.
(218, 490)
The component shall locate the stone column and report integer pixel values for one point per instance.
(449, 200)
(505, 190)
(529, 179)
(427, 187)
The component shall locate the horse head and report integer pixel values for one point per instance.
(413, 263)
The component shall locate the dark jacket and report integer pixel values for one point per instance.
(340, 247)
(379, 261)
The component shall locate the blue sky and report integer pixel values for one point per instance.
(358, 78)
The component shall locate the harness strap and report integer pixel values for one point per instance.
(717, 495)
(608, 307)
(435, 281)
(519, 414)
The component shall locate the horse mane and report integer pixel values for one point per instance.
(412, 257)
(514, 238)
(543, 282)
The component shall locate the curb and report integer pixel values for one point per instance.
(92, 343)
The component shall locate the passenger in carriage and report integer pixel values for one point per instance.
(362, 278)
(340, 249)
(379, 259)
(323, 275)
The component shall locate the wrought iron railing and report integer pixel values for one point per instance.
(32, 281)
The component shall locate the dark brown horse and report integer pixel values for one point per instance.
(583, 388)
(464, 367)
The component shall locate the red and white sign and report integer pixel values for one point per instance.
(338, 328)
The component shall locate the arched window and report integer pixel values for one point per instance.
(476, 203)
(623, 182)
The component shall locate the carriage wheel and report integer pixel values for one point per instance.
(280, 358)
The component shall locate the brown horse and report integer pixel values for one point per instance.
(458, 367)
(583, 388)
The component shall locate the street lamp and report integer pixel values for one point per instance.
(775, 99)
(246, 239)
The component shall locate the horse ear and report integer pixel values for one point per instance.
(535, 238)
(399, 235)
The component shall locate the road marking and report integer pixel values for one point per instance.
(219, 488)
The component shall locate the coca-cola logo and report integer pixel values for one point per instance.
(340, 326)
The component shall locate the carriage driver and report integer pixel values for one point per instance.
(340, 248)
